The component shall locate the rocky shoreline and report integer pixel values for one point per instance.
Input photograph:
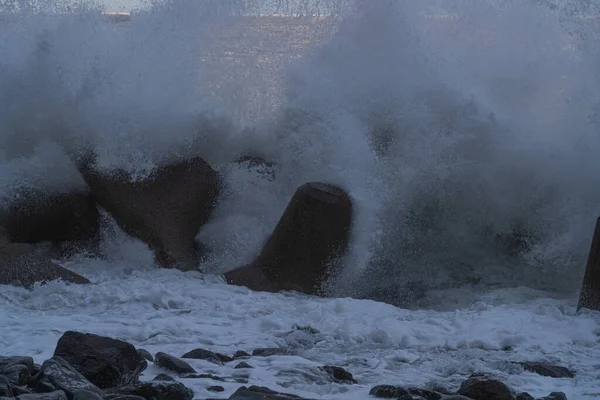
(90, 367)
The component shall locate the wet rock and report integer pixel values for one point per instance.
(164, 377)
(224, 358)
(173, 364)
(241, 354)
(185, 193)
(555, 396)
(21, 265)
(524, 396)
(425, 394)
(146, 354)
(59, 374)
(243, 365)
(544, 369)
(56, 395)
(5, 387)
(260, 393)
(34, 216)
(215, 389)
(272, 351)
(104, 361)
(18, 370)
(388, 391)
(204, 376)
(86, 395)
(338, 374)
(158, 391)
(457, 397)
(202, 354)
(485, 387)
(123, 397)
(312, 233)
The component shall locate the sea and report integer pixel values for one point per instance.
(466, 133)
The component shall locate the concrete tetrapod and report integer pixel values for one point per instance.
(590, 289)
(312, 233)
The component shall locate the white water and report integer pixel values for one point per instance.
(452, 124)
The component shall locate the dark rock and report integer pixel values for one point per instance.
(56, 395)
(21, 265)
(158, 391)
(589, 297)
(86, 395)
(312, 233)
(146, 354)
(338, 374)
(271, 351)
(105, 361)
(164, 377)
(202, 354)
(5, 387)
(224, 358)
(122, 397)
(241, 354)
(58, 373)
(260, 393)
(259, 165)
(243, 365)
(34, 216)
(215, 389)
(485, 387)
(388, 391)
(525, 396)
(544, 369)
(555, 396)
(19, 390)
(184, 192)
(173, 363)
(204, 376)
(457, 397)
(240, 379)
(425, 394)
(17, 370)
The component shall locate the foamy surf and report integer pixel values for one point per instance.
(465, 132)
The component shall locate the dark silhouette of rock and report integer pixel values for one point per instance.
(260, 393)
(388, 391)
(272, 351)
(18, 370)
(166, 209)
(202, 354)
(86, 395)
(146, 354)
(525, 396)
(544, 369)
(215, 388)
(241, 354)
(164, 377)
(158, 391)
(555, 396)
(5, 387)
(34, 216)
(105, 361)
(243, 365)
(338, 374)
(174, 364)
(590, 288)
(485, 387)
(59, 374)
(21, 265)
(312, 233)
(55, 395)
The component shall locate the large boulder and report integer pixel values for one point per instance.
(33, 216)
(21, 265)
(166, 209)
(104, 361)
(312, 233)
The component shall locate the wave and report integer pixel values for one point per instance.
(465, 131)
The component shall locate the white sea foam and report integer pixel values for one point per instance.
(465, 131)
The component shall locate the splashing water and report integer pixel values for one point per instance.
(465, 131)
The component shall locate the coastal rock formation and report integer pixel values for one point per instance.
(33, 216)
(21, 265)
(166, 209)
(312, 233)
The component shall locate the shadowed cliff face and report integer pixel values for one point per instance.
(166, 209)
